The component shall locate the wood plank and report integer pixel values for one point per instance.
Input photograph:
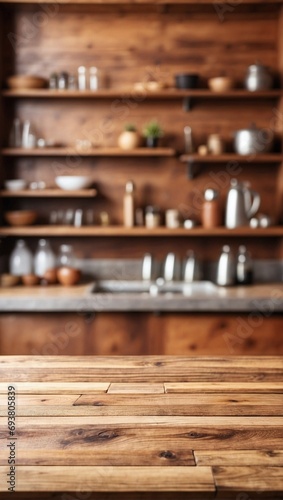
(56, 387)
(142, 388)
(117, 231)
(40, 401)
(209, 404)
(149, 421)
(62, 151)
(171, 93)
(142, 369)
(260, 479)
(46, 478)
(49, 193)
(259, 158)
(232, 388)
(169, 452)
(228, 458)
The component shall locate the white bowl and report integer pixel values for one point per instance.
(15, 185)
(73, 182)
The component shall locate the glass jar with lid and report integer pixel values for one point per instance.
(152, 216)
(44, 259)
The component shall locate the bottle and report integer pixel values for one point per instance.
(93, 78)
(82, 78)
(129, 205)
(15, 139)
(66, 257)
(226, 268)
(189, 147)
(21, 260)
(244, 267)
(211, 212)
(44, 259)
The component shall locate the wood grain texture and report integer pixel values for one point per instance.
(55, 388)
(125, 333)
(45, 478)
(260, 478)
(135, 388)
(219, 442)
(228, 458)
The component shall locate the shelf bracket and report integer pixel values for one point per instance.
(187, 104)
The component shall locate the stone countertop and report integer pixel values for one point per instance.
(265, 298)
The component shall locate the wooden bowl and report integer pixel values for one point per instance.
(221, 84)
(68, 276)
(20, 217)
(8, 280)
(30, 280)
(18, 82)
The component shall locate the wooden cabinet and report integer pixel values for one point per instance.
(141, 333)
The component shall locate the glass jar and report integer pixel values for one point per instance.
(152, 217)
(21, 260)
(66, 257)
(44, 258)
(215, 144)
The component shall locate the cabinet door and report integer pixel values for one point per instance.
(42, 334)
(222, 334)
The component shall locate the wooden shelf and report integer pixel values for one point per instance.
(121, 231)
(259, 158)
(92, 152)
(49, 193)
(171, 93)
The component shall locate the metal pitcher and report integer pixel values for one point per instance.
(242, 204)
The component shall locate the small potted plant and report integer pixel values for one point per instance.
(152, 133)
(129, 138)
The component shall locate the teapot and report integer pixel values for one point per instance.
(242, 204)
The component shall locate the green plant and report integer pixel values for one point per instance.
(130, 127)
(153, 129)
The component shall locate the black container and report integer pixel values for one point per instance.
(152, 142)
(186, 80)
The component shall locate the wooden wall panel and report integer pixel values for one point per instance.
(129, 44)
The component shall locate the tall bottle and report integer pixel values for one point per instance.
(244, 267)
(21, 260)
(129, 205)
(44, 258)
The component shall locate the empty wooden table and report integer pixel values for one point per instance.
(146, 427)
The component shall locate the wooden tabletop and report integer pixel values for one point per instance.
(134, 428)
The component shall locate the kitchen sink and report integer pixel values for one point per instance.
(155, 287)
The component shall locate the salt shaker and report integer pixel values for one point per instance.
(93, 78)
(82, 78)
